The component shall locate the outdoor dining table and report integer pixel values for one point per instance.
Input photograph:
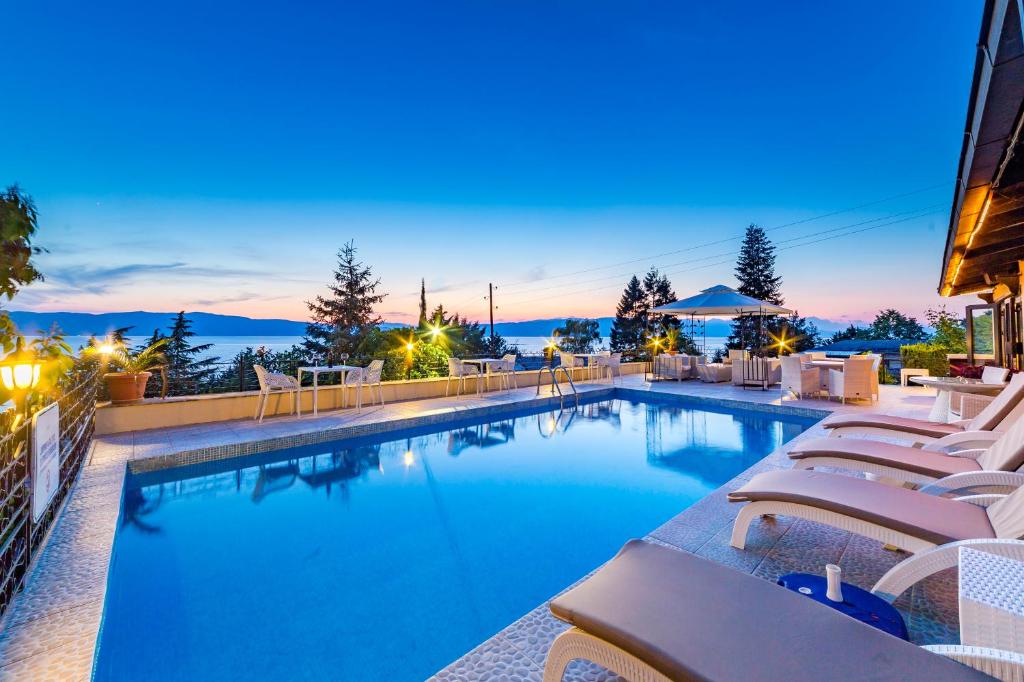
(945, 385)
(827, 364)
(483, 363)
(590, 358)
(316, 371)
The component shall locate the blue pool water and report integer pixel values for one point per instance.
(387, 558)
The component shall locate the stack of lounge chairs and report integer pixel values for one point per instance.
(654, 613)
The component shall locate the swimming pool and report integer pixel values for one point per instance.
(387, 558)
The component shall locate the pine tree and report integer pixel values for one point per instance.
(340, 322)
(755, 270)
(186, 370)
(658, 290)
(630, 320)
(422, 324)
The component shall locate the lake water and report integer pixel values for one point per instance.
(226, 347)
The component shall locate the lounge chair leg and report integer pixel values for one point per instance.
(742, 524)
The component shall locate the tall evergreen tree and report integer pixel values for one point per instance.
(186, 369)
(422, 324)
(658, 290)
(630, 319)
(342, 320)
(755, 270)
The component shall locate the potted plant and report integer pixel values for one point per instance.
(127, 383)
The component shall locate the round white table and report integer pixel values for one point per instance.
(945, 385)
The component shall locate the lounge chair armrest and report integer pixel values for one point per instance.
(969, 482)
(964, 439)
(916, 568)
(1002, 665)
(980, 500)
(972, 453)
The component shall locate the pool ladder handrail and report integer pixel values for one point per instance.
(554, 382)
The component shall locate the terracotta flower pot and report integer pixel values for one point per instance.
(126, 388)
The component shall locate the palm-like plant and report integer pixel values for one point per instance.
(124, 359)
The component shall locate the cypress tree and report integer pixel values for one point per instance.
(341, 321)
(422, 324)
(755, 270)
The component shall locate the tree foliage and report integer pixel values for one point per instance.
(187, 368)
(19, 221)
(578, 335)
(950, 330)
(755, 271)
(890, 324)
(341, 320)
(630, 318)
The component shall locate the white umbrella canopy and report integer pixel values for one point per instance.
(721, 300)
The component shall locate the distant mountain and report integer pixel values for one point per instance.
(204, 324)
(212, 324)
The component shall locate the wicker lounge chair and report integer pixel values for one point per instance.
(923, 431)
(912, 520)
(659, 614)
(978, 459)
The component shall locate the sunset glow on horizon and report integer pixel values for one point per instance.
(551, 151)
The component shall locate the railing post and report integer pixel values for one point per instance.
(241, 375)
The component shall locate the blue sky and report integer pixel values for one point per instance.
(214, 157)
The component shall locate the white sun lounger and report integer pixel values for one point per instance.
(977, 459)
(912, 520)
(991, 418)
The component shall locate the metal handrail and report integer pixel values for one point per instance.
(554, 382)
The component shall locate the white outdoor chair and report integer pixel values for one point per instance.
(510, 367)
(272, 382)
(355, 379)
(797, 379)
(571, 363)
(875, 365)
(609, 365)
(968, 405)
(994, 375)
(854, 382)
(371, 378)
(458, 370)
(499, 370)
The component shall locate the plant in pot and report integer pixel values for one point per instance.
(131, 369)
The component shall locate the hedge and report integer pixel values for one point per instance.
(926, 356)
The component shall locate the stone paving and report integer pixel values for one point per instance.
(50, 631)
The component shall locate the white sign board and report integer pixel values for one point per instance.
(45, 458)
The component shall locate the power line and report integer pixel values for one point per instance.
(721, 241)
(618, 277)
(731, 255)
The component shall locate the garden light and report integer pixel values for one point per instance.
(20, 370)
(409, 346)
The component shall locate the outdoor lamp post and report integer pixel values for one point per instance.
(19, 373)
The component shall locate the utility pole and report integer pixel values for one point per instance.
(490, 299)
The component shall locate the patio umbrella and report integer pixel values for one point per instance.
(721, 301)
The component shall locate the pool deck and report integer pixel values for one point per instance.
(50, 631)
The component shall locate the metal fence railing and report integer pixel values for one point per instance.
(20, 536)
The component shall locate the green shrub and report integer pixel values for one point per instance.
(427, 360)
(926, 356)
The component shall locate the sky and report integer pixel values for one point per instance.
(215, 156)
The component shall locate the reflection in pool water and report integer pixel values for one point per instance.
(374, 559)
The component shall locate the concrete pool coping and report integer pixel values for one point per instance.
(51, 630)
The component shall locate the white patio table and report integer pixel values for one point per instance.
(316, 371)
(827, 364)
(483, 363)
(589, 357)
(944, 385)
